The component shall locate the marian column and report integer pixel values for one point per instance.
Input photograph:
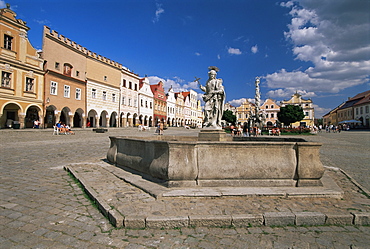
(257, 97)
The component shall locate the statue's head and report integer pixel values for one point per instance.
(212, 71)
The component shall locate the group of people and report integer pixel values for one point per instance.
(64, 128)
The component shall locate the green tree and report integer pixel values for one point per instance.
(290, 114)
(229, 117)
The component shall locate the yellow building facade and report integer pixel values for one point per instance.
(244, 111)
(21, 70)
(307, 107)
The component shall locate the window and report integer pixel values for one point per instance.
(53, 88)
(78, 93)
(67, 69)
(6, 79)
(272, 115)
(130, 85)
(8, 40)
(306, 113)
(93, 93)
(267, 107)
(146, 104)
(113, 97)
(29, 84)
(124, 83)
(129, 102)
(367, 109)
(356, 111)
(104, 95)
(135, 102)
(141, 102)
(151, 106)
(361, 110)
(57, 65)
(66, 91)
(135, 87)
(123, 100)
(272, 106)
(105, 78)
(77, 73)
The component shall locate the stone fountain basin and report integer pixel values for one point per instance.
(249, 162)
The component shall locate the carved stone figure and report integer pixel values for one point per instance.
(214, 98)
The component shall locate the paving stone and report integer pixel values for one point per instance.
(309, 218)
(339, 219)
(362, 219)
(167, 221)
(210, 221)
(279, 218)
(134, 222)
(246, 220)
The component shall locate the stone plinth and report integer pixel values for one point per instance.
(213, 135)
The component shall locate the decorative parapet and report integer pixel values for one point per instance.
(74, 46)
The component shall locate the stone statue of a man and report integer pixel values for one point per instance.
(214, 98)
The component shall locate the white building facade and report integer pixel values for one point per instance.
(145, 97)
(103, 104)
(129, 98)
(171, 108)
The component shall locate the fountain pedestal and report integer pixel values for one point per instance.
(213, 135)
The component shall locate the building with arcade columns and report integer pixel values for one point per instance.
(22, 76)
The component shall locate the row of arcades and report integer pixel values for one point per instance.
(16, 116)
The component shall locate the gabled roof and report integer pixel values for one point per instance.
(185, 94)
(364, 100)
(353, 101)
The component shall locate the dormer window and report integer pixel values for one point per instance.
(67, 69)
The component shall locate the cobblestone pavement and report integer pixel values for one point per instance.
(41, 206)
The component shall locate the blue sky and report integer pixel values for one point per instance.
(319, 48)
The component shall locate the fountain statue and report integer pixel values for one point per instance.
(214, 99)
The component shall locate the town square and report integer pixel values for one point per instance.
(194, 151)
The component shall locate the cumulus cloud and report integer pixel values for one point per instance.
(286, 93)
(177, 84)
(320, 111)
(332, 35)
(254, 49)
(235, 51)
(239, 102)
(158, 12)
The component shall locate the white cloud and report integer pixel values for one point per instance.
(239, 102)
(2, 4)
(43, 22)
(254, 49)
(286, 93)
(332, 35)
(235, 51)
(218, 56)
(198, 54)
(320, 111)
(177, 83)
(158, 12)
